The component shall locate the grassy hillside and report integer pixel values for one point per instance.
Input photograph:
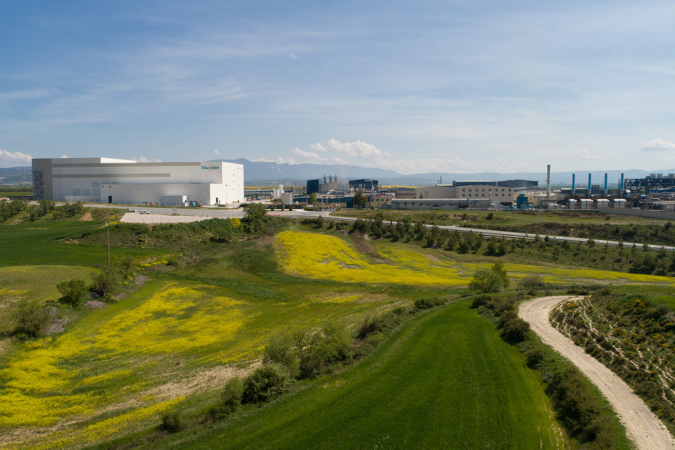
(171, 344)
(444, 380)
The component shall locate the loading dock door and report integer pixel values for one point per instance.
(110, 199)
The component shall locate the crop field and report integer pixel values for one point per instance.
(462, 392)
(332, 258)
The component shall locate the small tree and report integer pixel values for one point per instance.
(106, 281)
(359, 200)
(486, 281)
(72, 292)
(32, 318)
(319, 221)
(281, 351)
(503, 249)
(312, 198)
(498, 268)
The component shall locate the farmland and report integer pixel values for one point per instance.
(202, 302)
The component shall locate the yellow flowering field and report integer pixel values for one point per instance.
(331, 258)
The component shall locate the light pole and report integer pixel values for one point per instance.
(108, 232)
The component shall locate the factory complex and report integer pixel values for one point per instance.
(118, 181)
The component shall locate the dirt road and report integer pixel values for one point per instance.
(642, 425)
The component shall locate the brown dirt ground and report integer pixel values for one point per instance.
(86, 217)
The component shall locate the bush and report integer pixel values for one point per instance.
(106, 281)
(378, 324)
(230, 399)
(265, 384)
(516, 330)
(428, 303)
(172, 422)
(280, 351)
(481, 300)
(486, 281)
(532, 281)
(72, 292)
(32, 318)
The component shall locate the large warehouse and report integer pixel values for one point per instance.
(106, 180)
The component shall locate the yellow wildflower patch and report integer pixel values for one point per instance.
(331, 258)
(42, 382)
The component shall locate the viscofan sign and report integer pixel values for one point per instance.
(210, 167)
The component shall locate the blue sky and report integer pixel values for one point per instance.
(410, 86)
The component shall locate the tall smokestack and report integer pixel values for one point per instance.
(621, 187)
(589, 185)
(574, 183)
(548, 181)
(324, 179)
(605, 184)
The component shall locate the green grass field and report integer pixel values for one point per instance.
(446, 380)
(46, 243)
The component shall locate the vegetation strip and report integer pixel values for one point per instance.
(644, 428)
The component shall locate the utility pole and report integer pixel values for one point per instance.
(108, 231)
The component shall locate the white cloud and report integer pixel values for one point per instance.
(656, 145)
(23, 95)
(318, 147)
(356, 148)
(9, 159)
(64, 156)
(588, 156)
(216, 152)
(306, 155)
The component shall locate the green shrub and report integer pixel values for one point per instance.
(32, 318)
(172, 422)
(532, 281)
(428, 303)
(486, 281)
(481, 300)
(72, 292)
(265, 384)
(516, 330)
(281, 351)
(378, 324)
(230, 399)
(172, 262)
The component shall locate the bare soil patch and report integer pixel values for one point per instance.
(95, 304)
(57, 326)
(86, 217)
(363, 246)
(141, 279)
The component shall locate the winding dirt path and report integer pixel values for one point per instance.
(642, 425)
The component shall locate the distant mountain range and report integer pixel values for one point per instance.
(271, 173)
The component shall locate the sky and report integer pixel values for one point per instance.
(451, 86)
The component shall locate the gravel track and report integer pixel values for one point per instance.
(642, 426)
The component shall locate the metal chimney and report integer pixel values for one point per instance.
(574, 183)
(605, 184)
(589, 185)
(622, 178)
(548, 181)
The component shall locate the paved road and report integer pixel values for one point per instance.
(225, 213)
(642, 425)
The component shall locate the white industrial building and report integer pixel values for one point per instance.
(107, 180)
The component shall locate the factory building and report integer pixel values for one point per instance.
(364, 184)
(107, 180)
(503, 192)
